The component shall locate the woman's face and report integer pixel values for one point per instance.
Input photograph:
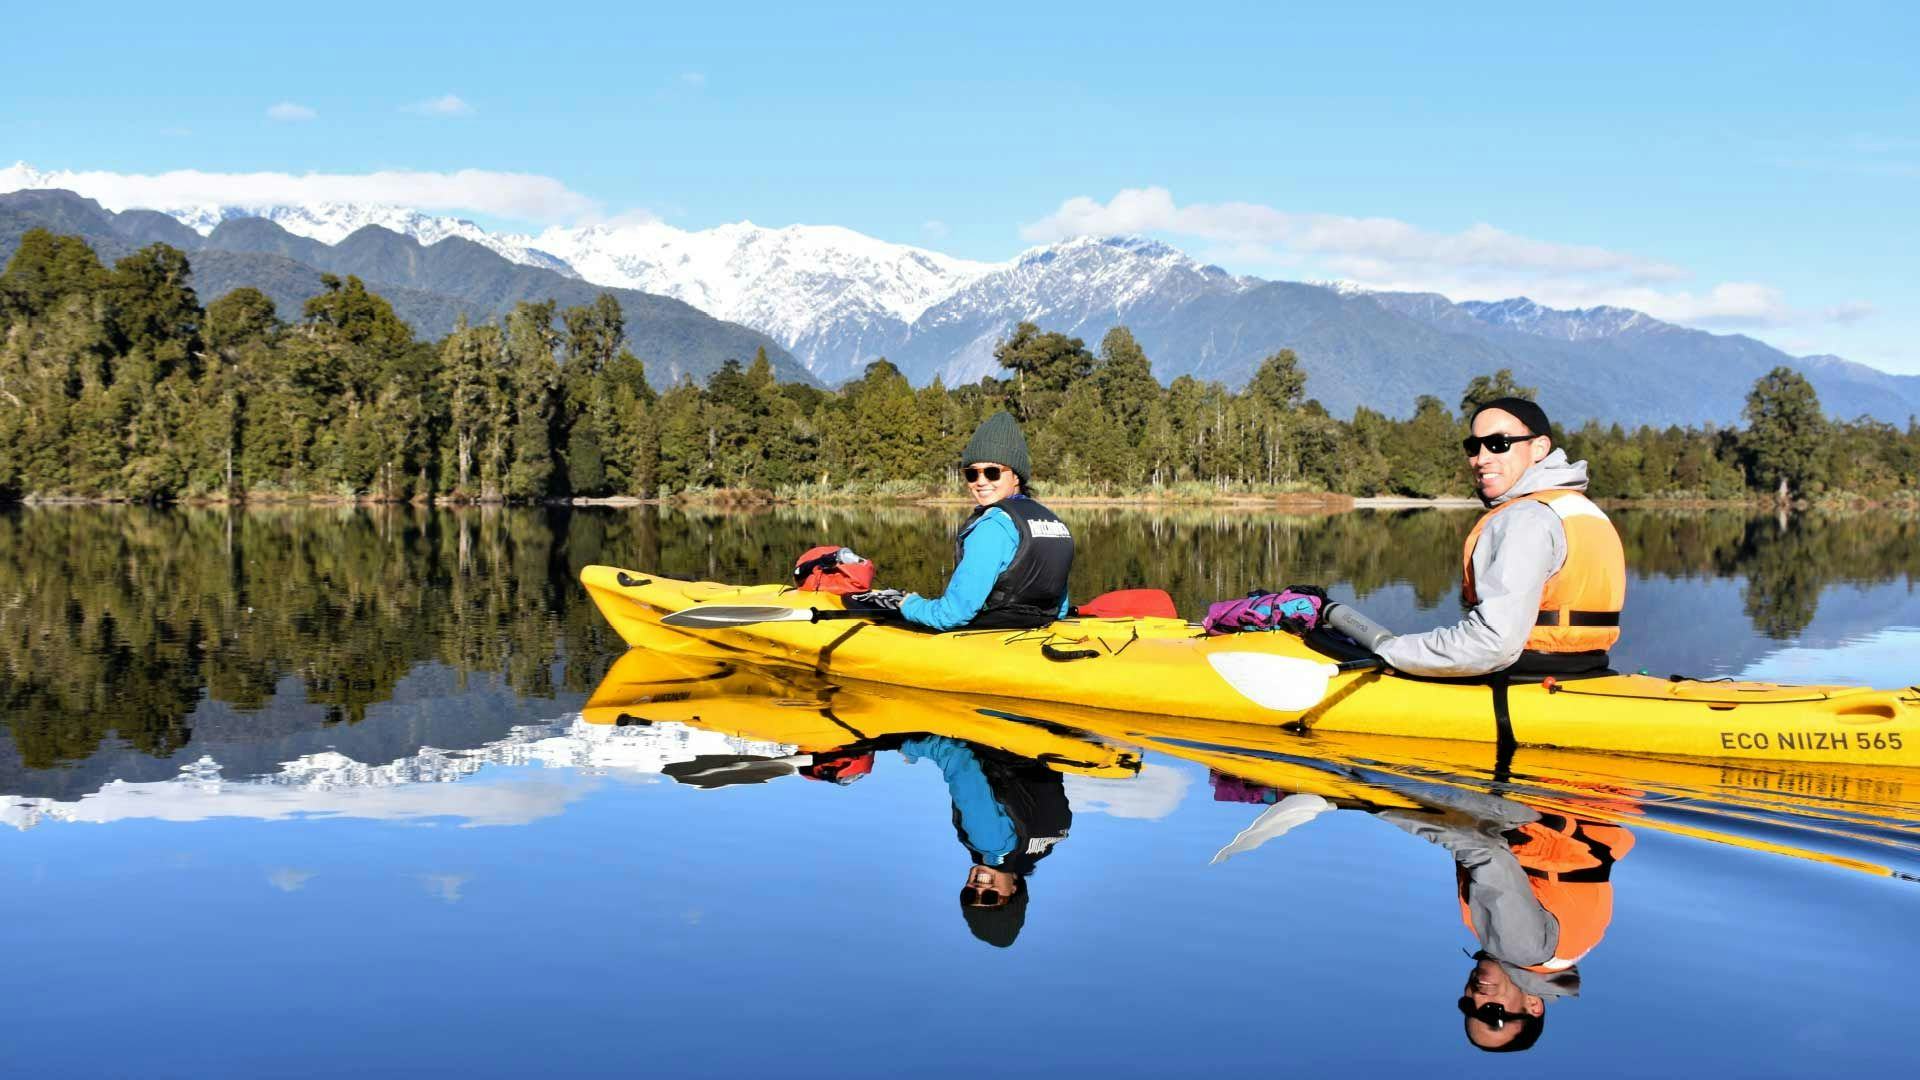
(986, 491)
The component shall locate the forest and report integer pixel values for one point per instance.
(118, 384)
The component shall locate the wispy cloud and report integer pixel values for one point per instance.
(1372, 239)
(290, 112)
(935, 228)
(519, 196)
(695, 79)
(1481, 262)
(445, 105)
(444, 886)
(176, 132)
(287, 879)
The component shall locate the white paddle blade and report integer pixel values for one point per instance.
(1276, 821)
(1281, 683)
(710, 616)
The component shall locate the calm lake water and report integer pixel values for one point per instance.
(312, 792)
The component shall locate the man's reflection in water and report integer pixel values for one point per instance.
(1534, 886)
(1009, 812)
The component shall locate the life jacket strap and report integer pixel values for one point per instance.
(1567, 617)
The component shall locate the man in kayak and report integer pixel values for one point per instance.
(1013, 555)
(1545, 573)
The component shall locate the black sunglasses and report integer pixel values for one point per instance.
(1498, 444)
(975, 896)
(991, 472)
(1492, 1013)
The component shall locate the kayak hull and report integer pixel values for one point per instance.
(1169, 667)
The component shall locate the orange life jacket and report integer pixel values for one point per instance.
(1580, 605)
(1569, 867)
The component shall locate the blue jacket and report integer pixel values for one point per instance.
(986, 553)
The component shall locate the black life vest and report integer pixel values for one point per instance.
(1030, 590)
(1034, 799)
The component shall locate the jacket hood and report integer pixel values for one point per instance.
(1552, 471)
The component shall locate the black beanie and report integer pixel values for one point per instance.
(998, 439)
(998, 926)
(1520, 409)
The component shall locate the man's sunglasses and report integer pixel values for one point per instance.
(1498, 444)
(1490, 1013)
(991, 472)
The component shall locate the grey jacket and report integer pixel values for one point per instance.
(1517, 552)
(1512, 926)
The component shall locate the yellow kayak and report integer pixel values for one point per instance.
(813, 715)
(1170, 667)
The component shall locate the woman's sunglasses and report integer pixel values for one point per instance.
(1498, 444)
(974, 896)
(991, 472)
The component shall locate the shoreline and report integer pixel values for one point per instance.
(1290, 502)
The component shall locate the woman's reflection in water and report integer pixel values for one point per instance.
(1534, 885)
(1009, 812)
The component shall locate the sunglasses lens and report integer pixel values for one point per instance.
(991, 472)
(1495, 444)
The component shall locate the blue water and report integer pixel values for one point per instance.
(541, 899)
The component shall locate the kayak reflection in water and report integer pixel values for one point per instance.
(1012, 557)
(1534, 885)
(1009, 813)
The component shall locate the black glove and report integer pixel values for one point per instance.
(877, 600)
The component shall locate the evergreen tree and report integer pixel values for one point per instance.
(1485, 388)
(1784, 430)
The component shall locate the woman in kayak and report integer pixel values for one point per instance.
(1013, 555)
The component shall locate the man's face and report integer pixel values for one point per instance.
(1489, 985)
(1495, 474)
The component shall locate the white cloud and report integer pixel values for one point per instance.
(935, 228)
(289, 111)
(694, 79)
(445, 886)
(445, 105)
(287, 879)
(1481, 262)
(1849, 311)
(1152, 795)
(520, 196)
(1382, 241)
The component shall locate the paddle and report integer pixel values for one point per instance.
(1282, 683)
(723, 770)
(720, 616)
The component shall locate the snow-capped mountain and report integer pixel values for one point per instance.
(1081, 286)
(423, 785)
(838, 299)
(327, 222)
(1580, 324)
(834, 297)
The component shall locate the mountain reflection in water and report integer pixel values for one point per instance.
(291, 703)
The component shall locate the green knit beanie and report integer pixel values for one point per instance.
(999, 439)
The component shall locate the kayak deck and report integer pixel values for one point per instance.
(1170, 667)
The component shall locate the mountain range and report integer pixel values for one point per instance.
(826, 301)
(431, 286)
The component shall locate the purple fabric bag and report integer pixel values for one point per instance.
(1296, 608)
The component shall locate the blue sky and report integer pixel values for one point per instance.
(1737, 167)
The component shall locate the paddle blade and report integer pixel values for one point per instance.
(725, 770)
(1276, 821)
(1281, 683)
(714, 616)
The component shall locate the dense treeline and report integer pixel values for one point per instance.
(117, 383)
